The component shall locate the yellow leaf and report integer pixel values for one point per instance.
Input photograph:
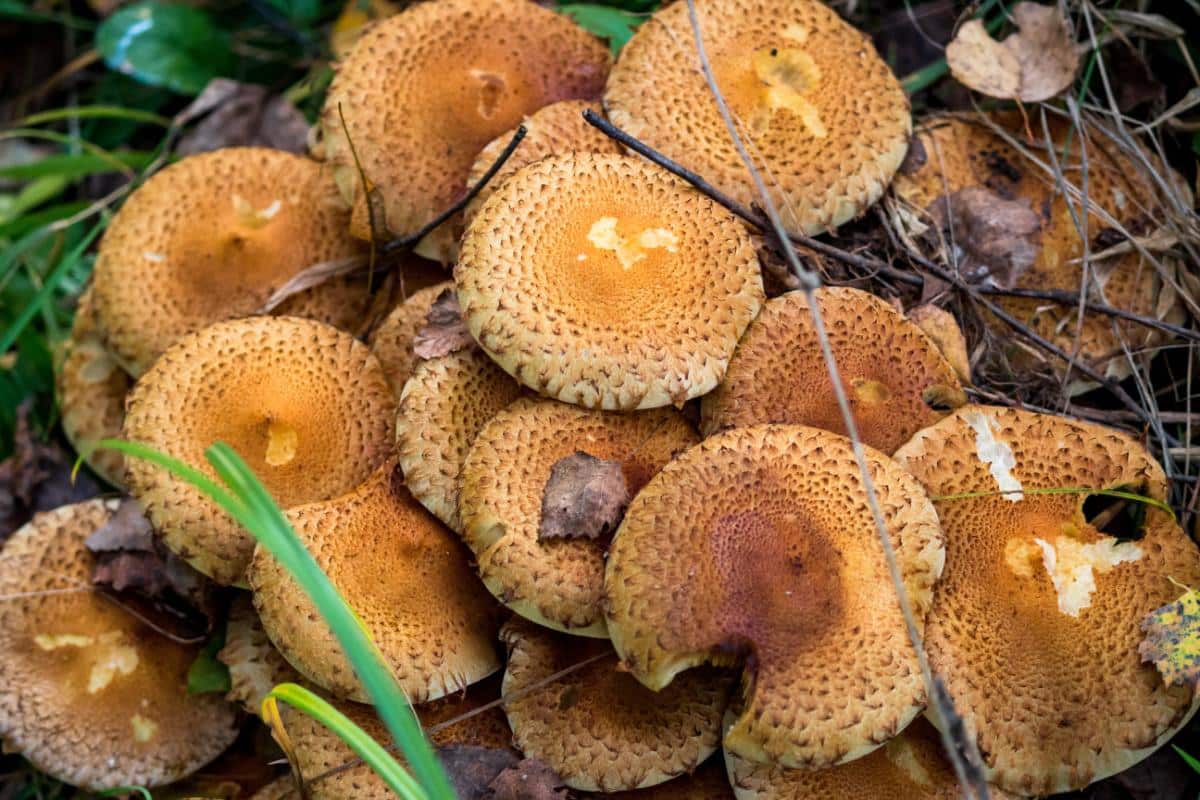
(1172, 640)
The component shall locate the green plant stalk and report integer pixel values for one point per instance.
(1187, 757)
(1137, 498)
(358, 740)
(95, 112)
(248, 501)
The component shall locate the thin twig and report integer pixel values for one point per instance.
(960, 749)
(411, 239)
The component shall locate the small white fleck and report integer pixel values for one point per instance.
(152, 256)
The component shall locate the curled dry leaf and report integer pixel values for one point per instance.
(243, 115)
(1033, 65)
(1172, 640)
(129, 557)
(444, 332)
(941, 326)
(472, 769)
(999, 238)
(584, 498)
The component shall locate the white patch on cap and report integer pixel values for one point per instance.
(152, 256)
(1072, 565)
(996, 454)
(144, 728)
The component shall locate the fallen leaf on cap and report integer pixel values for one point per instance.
(1172, 640)
(584, 498)
(244, 115)
(999, 238)
(472, 769)
(129, 557)
(531, 779)
(1033, 65)
(444, 332)
(941, 326)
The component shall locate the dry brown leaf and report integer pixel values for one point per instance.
(999, 238)
(584, 498)
(129, 557)
(941, 326)
(1033, 65)
(244, 115)
(531, 779)
(472, 769)
(444, 332)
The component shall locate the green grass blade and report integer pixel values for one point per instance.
(96, 112)
(274, 532)
(1137, 498)
(60, 269)
(1188, 758)
(366, 748)
(73, 167)
(248, 501)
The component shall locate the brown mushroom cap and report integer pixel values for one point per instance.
(392, 341)
(910, 766)
(88, 693)
(960, 153)
(442, 407)
(603, 281)
(415, 592)
(255, 666)
(598, 728)
(211, 237)
(757, 546)
(557, 583)
(555, 130)
(279, 789)
(462, 72)
(708, 782)
(318, 750)
(825, 118)
(307, 406)
(91, 393)
(1049, 679)
(896, 379)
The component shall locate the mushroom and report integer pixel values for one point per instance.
(910, 766)
(279, 789)
(601, 280)
(554, 582)
(462, 72)
(597, 727)
(708, 782)
(255, 666)
(318, 751)
(555, 130)
(307, 406)
(826, 120)
(894, 376)
(210, 238)
(443, 405)
(1035, 626)
(392, 341)
(91, 393)
(88, 693)
(756, 547)
(416, 594)
(961, 154)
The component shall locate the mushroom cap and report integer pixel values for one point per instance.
(210, 238)
(91, 393)
(558, 583)
(601, 280)
(307, 406)
(708, 782)
(279, 789)
(255, 666)
(416, 594)
(757, 546)
(910, 766)
(598, 728)
(462, 72)
(826, 119)
(392, 341)
(88, 693)
(896, 379)
(442, 407)
(555, 130)
(318, 749)
(1036, 624)
(960, 153)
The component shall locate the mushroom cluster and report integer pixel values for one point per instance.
(591, 494)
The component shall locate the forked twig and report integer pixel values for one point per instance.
(960, 749)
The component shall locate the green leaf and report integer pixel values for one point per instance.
(207, 673)
(1172, 640)
(301, 13)
(165, 45)
(72, 167)
(614, 24)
